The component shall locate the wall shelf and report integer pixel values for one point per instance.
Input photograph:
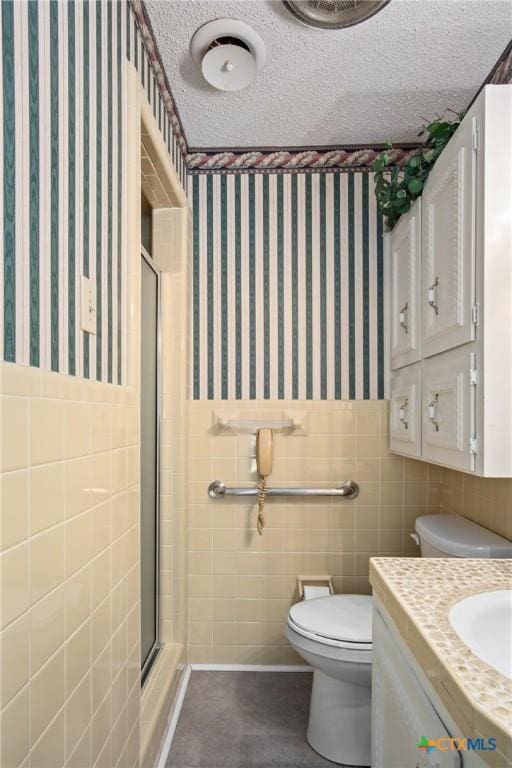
(234, 424)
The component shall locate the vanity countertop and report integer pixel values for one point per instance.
(418, 594)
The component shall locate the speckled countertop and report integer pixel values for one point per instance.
(417, 594)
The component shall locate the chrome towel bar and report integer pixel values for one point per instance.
(349, 490)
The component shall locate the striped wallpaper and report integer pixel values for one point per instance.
(61, 200)
(287, 290)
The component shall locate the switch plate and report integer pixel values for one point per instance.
(88, 305)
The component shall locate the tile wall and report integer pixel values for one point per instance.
(486, 500)
(241, 584)
(69, 572)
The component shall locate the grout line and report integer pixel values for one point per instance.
(32, 536)
(66, 579)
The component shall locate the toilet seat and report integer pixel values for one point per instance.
(341, 621)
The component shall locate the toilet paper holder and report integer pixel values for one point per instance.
(319, 586)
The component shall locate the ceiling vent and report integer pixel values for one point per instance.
(334, 14)
(229, 53)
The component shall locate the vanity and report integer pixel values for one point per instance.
(442, 653)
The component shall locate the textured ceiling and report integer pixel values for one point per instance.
(362, 85)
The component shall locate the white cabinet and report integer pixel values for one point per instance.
(405, 253)
(448, 244)
(402, 712)
(448, 408)
(405, 411)
(461, 367)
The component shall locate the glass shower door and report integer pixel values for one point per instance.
(149, 453)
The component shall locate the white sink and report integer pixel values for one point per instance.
(484, 623)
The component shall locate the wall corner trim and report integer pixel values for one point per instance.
(175, 716)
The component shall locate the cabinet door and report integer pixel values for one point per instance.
(448, 244)
(405, 411)
(448, 408)
(405, 252)
(401, 711)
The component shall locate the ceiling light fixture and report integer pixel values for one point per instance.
(334, 14)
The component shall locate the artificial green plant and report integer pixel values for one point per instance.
(397, 186)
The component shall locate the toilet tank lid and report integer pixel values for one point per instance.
(459, 537)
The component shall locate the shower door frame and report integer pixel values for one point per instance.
(153, 653)
(141, 128)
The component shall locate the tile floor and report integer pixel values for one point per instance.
(245, 720)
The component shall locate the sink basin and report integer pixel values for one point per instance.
(484, 623)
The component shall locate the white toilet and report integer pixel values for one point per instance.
(334, 635)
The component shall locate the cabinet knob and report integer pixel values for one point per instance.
(431, 296)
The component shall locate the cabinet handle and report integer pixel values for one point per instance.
(403, 316)
(432, 296)
(432, 412)
(402, 413)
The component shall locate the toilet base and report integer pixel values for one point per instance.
(339, 720)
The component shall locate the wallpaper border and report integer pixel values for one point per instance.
(347, 160)
(501, 73)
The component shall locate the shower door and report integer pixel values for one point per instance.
(149, 461)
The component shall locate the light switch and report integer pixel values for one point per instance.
(88, 305)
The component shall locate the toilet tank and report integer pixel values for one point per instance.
(456, 536)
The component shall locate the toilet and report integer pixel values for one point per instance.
(334, 635)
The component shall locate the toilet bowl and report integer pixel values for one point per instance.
(334, 635)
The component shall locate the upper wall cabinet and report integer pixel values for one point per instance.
(448, 244)
(454, 406)
(405, 254)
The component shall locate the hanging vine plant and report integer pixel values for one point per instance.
(397, 187)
